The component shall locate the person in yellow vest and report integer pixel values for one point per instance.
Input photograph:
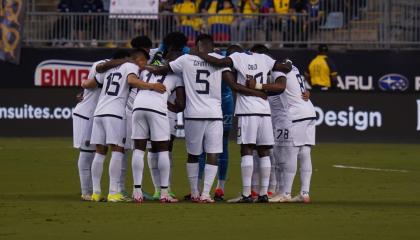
(278, 24)
(322, 73)
(242, 23)
(187, 10)
(227, 8)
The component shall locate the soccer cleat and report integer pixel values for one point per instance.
(117, 197)
(262, 199)
(168, 199)
(187, 197)
(156, 195)
(241, 199)
(301, 199)
(172, 194)
(86, 197)
(280, 198)
(206, 199)
(97, 197)
(270, 194)
(138, 197)
(219, 194)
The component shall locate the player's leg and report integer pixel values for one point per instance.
(98, 138)
(171, 144)
(255, 182)
(223, 167)
(213, 146)
(160, 136)
(152, 161)
(201, 165)
(273, 178)
(290, 155)
(305, 163)
(127, 148)
(194, 135)
(115, 137)
(140, 134)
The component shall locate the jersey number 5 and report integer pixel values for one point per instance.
(201, 78)
(111, 81)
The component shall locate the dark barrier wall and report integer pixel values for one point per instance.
(355, 117)
(358, 70)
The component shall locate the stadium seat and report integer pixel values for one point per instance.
(190, 33)
(334, 20)
(220, 32)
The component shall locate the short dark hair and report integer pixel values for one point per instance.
(175, 40)
(233, 49)
(121, 53)
(141, 42)
(140, 51)
(205, 38)
(323, 48)
(260, 48)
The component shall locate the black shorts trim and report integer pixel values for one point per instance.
(204, 119)
(84, 150)
(149, 110)
(80, 116)
(253, 114)
(303, 119)
(110, 115)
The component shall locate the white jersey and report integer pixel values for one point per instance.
(152, 100)
(290, 102)
(115, 90)
(258, 66)
(87, 106)
(131, 97)
(203, 84)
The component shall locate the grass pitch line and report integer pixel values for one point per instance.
(371, 169)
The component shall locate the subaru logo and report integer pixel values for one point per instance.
(393, 82)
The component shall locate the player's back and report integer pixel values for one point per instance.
(292, 97)
(202, 86)
(115, 90)
(257, 66)
(153, 100)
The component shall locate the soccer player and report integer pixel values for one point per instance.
(203, 112)
(150, 120)
(109, 119)
(294, 128)
(254, 121)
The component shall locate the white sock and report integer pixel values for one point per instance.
(246, 170)
(305, 169)
(290, 155)
(115, 172)
(192, 172)
(221, 184)
(210, 172)
(171, 164)
(137, 164)
(97, 168)
(164, 166)
(265, 168)
(152, 160)
(124, 163)
(255, 182)
(273, 179)
(278, 168)
(85, 164)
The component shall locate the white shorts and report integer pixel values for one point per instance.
(128, 141)
(150, 125)
(255, 130)
(281, 130)
(303, 133)
(285, 154)
(82, 130)
(172, 117)
(108, 130)
(204, 135)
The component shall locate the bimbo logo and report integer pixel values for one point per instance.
(61, 73)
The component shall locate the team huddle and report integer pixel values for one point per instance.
(130, 102)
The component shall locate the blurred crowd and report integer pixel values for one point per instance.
(231, 20)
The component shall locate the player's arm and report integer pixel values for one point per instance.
(333, 73)
(134, 81)
(180, 99)
(105, 66)
(89, 83)
(306, 95)
(277, 87)
(229, 78)
(214, 61)
(158, 70)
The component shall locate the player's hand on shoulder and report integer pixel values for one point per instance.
(250, 82)
(151, 68)
(159, 87)
(306, 95)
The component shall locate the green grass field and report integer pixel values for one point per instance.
(39, 199)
